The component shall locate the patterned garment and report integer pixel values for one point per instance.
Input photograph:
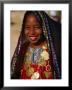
(37, 64)
(33, 54)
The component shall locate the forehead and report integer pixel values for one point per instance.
(31, 19)
(34, 17)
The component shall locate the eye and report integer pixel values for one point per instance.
(27, 27)
(37, 27)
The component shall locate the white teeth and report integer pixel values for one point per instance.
(33, 38)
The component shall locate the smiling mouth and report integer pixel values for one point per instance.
(33, 38)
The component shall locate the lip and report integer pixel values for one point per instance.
(33, 37)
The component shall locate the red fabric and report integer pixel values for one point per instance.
(40, 70)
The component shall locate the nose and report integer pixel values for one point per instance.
(32, 31)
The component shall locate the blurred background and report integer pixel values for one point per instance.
(16, 18)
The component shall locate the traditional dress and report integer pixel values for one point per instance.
(37, 64)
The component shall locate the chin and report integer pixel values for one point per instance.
(33, 42)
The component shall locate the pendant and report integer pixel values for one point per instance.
(35, 75)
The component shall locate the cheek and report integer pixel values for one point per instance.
(39, 32)
(26, 32)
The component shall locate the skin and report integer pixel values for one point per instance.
(33, 30)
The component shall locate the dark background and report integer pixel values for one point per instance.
(44, 1)
(2, 32)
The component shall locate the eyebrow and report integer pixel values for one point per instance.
(34, 25)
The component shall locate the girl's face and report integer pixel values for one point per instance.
(33, 30)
